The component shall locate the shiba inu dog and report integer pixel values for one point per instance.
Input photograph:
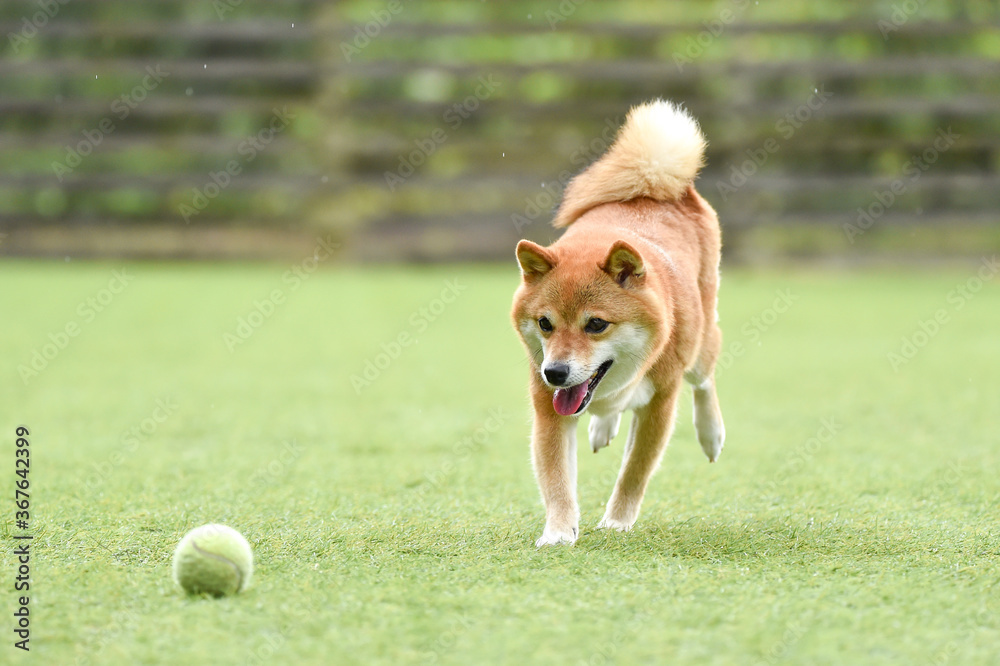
(619, 311)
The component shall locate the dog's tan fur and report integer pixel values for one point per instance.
(641, 251)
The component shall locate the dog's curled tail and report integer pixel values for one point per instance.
(657, 154)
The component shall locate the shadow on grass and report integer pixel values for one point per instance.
(703, 539)
(697, 538)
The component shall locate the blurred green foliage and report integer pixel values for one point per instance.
(86, 69)
(565, 70)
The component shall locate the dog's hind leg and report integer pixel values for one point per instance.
(708, 420)
(707, 414)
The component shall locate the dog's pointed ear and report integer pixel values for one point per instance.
(535, 260)
(624, 265)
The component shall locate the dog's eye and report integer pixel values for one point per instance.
(545, 324)
(595, 325)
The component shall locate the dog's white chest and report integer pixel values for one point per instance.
(641, 395)
(638, 396)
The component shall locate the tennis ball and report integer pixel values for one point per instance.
(213, 559)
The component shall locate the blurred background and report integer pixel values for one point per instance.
(446, 130)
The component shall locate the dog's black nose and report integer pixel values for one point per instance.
(556, 373)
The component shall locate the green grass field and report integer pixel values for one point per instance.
(852, 519)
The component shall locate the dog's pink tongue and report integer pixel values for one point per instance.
(567, 400)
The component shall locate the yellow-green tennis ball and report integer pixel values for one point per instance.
(213, 559)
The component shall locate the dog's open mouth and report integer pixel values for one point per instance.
(574, 399)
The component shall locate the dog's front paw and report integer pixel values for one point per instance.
(554, 537)
(712, 443)
(609, 523)
(603, 429)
